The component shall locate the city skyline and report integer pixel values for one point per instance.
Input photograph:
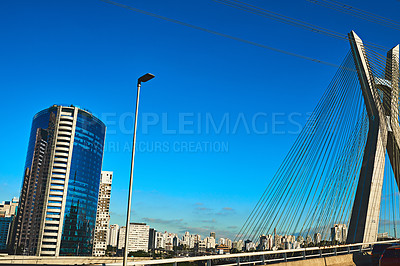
(101, 58)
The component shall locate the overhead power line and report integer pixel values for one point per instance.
(289, 20)
(220, 34)
(356, 12)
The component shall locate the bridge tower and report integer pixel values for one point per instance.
(381, 97)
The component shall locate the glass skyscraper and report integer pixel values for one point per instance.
(58, 200)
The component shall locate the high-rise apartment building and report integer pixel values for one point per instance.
(159, 240)
(113, 232)
(58, 200)
(121, 237)
(138, 238)
(103, 215)
(210, 242)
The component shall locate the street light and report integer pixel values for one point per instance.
(143, 78)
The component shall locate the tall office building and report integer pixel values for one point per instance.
(58, 200)
(152, 239)
(103, 215)
(5, 225)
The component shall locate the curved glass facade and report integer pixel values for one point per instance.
(59, 194)
(25, 234)
(40, 120)
(83, 186)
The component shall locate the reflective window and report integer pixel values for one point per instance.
(83, 186)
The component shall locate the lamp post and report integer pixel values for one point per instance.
(143, 78)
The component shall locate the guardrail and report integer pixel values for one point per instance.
(264, 257)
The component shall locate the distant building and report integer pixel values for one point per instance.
(8, 210)
(171, 238)
(121, 238)
(152, 239)
(383, 236)
(262, 244)
(339, 233)
(223, 249)
(58, 201)
(309, 240)
(249, 245)
(175, 241)
(212, 234)
(200, 247)
(103, 215)
(270, 242)
(163, 240)
(228, 243)
(159, 240)
(300, 239)
(5, 225)
(197, 238)
(138, 238)
(317, 238)
(188, 240)
(113, 232)
(239, 245)
(209, 242)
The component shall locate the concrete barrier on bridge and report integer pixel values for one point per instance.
(64, 260)
(342, 260)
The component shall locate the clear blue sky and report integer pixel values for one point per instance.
(90, 53)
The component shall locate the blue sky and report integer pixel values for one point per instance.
(90, 53)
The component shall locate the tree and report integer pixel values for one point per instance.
(140, 253)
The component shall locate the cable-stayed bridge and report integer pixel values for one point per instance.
(347, 153)
(343, 170)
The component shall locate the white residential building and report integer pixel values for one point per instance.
(9, 208)
(209, 242)
(160, 241)
(339, 233)
(228, 243)
(317, 238)
(103, 215)
(113, 232)
(121, 237)
(138, 238)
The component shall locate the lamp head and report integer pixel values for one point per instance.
(145, 78)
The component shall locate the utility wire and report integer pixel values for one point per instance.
(356, 12)
(288, 20)
(220, 34)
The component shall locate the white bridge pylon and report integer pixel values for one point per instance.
(383, 135)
